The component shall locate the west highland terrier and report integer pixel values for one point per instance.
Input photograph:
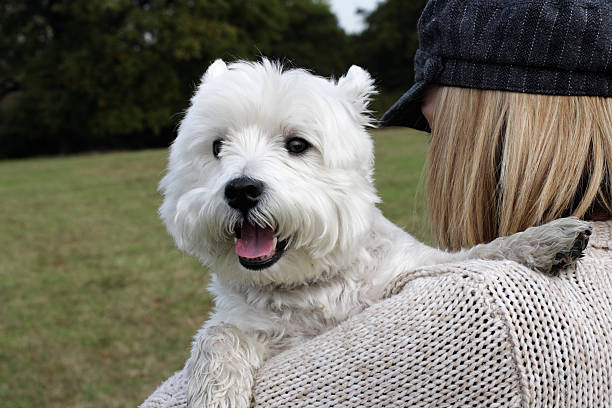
(270, 184)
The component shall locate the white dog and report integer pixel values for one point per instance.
(270, 184)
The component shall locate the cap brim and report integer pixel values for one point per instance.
(406, 111)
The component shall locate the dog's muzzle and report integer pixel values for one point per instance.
(257, 247)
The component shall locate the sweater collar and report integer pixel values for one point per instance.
(602, 235)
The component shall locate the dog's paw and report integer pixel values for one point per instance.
(569, 257)
(557, 245)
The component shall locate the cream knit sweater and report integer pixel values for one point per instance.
(474, 334)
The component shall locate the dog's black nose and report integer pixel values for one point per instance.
(243, 193)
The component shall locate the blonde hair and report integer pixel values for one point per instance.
(500, 162)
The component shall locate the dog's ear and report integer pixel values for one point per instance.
(358, 86)
(214, 70)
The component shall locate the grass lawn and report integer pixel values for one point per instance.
(98, 306)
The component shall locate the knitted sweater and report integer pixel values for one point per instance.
(477, 333)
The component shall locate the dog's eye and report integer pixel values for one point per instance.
(297, 145)
(216, 147)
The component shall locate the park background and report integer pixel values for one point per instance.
(98, 306)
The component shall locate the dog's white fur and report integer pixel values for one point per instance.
(342, 251)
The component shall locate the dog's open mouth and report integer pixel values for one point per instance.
(258, 248)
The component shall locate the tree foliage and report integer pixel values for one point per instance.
(87, 74)
(101, 74)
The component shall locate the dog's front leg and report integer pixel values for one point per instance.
(546, 248)
(221, 367)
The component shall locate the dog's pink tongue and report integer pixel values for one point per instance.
(254, 241)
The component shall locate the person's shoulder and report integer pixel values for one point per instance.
(544, 322)
(508, 291)
(527, 301)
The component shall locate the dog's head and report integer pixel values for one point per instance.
(270, 176)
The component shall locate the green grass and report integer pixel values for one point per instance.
(98, 306)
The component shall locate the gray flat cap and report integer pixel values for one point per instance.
(553, 47)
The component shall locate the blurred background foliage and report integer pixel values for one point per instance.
(116, 74)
